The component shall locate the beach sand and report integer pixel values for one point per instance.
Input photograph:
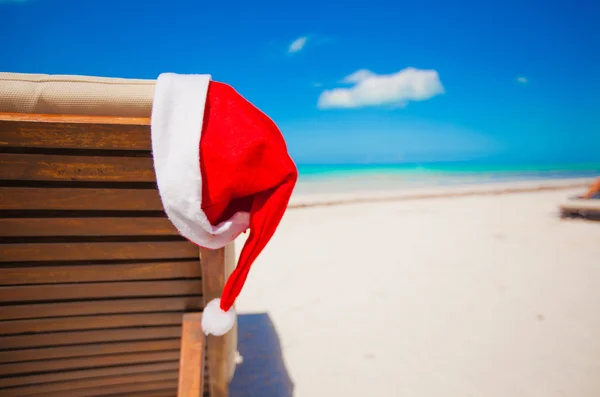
(473, 295)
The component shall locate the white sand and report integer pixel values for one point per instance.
(483, 296)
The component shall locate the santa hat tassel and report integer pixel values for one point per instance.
(216, 321)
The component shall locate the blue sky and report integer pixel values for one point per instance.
(504, 81)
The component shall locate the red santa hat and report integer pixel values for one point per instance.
(222, 167)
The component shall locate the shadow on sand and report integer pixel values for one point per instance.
(262, 372)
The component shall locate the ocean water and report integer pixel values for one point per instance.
(329, 178)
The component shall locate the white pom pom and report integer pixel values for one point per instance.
(215, 321)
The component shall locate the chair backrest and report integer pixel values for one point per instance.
(94, 279)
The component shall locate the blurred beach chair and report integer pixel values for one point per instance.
(99, 295)
(587, 205)
(594, 190)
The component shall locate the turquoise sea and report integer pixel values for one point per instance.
(327, 178)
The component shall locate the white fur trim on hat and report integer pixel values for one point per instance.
(176, 129)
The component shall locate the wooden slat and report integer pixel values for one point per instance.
(86, 383)
(91, 373)
(154, 393)
(111, 306)
(56, 167)
(76, 134)
(30, 227)
(88, 322)
(8, 356)
(86, 337)
(117, 390)
(191, 362)
(53, 292)
(85, 362)
(73, 118)
(97, 251)
(30, 198)
(15, 275)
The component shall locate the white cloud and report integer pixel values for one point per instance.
(522, 80)
(359, 76)
(298, 44)
(371, 89)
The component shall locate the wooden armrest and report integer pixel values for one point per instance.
(191, 362)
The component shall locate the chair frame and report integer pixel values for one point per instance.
(214, 265)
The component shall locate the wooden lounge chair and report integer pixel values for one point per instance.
(587, 205)
(99, 295)
(586, 208)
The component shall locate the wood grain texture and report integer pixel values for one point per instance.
(96, 251)
(84, 362)
(108, 321)
(74, 134)
(110, 226)
(54, 167)
(103, 306)
(88, 374)
(191, 362)
(37, 198)
(15, 275)
(87, 383)
(125, 289)
(99, 349)
(86, 337)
